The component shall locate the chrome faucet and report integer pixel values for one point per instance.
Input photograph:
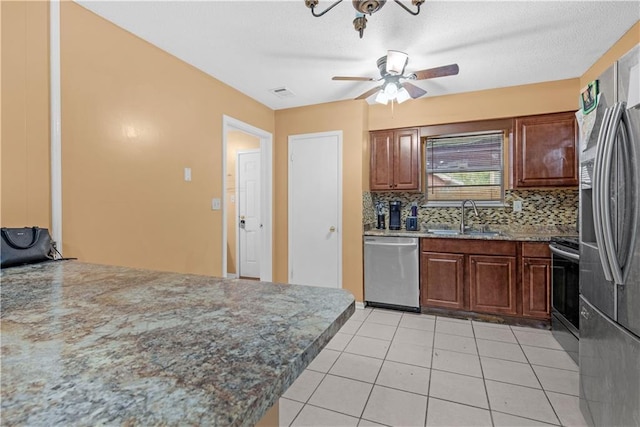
(462, 212)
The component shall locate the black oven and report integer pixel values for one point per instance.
(565, 296)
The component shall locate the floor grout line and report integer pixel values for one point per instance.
(484, 380)
(367, 319)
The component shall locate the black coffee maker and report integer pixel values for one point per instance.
(394, 215)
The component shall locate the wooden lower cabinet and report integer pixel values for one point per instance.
(536, 287)
(490, 277)
(492, 284)
(443, 276)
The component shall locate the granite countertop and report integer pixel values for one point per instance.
(91, 345)
(514, 233)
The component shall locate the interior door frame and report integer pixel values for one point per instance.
(266, 187)
(237, 196)
(291, 139)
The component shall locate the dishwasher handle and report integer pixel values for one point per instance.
(368, 243)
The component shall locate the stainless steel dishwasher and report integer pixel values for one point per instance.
(391, 272)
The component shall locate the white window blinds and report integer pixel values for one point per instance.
(465, 167)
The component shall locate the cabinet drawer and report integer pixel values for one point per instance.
(536, 250)
(469, 246)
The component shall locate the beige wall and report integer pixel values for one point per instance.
(512, 101)
(626, 42)
(236, 141)
(133, 118)
(25, 114)
(351, 118)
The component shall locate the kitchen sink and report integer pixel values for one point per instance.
(483, 233)
(448, 232)
(444, 232)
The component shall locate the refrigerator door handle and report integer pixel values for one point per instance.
(635, 190)
(605, 181)
(597, 193)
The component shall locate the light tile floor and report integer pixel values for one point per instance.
(404, 369)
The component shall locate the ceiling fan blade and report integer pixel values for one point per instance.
(446, 70)
(369, 93)
(358, 79)
(414, 91)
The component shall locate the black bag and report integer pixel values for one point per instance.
(25, 246)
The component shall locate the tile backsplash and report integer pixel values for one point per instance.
(540, 207)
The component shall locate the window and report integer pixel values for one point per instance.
(467, 166)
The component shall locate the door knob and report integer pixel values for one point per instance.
(332, 229)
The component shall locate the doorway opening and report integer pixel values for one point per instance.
(239, 137)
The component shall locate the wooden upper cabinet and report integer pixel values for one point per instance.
(381, 173)
(545, 151)
(395, 160)
(406, 160)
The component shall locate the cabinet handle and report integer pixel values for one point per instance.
(390, 185)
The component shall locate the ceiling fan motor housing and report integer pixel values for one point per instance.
(368, 6)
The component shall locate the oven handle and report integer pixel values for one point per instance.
(565, 254)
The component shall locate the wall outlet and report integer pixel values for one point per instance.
(517, 206)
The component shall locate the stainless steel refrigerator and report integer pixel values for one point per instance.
(610, 251)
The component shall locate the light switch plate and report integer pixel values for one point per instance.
(215, 204)
(187, 174)
(517, 206)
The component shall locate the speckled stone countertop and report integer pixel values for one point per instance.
(87, 344)
(525, 234)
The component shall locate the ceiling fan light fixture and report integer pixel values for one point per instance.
(396, 61)
(402, 95)
(368, 6)
(391, 90)
(382, 98)
(364, 7)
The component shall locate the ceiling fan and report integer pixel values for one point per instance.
(392, 67)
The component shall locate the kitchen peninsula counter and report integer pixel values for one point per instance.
(92, 344)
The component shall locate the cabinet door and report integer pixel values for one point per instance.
(536, 287)
(442, 280)
(545, 150)
(381, 166)
(492, 284)
(406, 160)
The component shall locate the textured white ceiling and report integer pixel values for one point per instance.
(255, 46)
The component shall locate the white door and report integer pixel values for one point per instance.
(315, 209)
(249, 213)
